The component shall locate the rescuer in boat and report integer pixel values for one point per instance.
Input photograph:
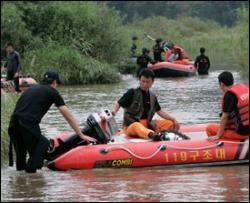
(202, 62)
(234, 121)
(140, 105)
(24, 128)
(144, 59)
(174, 52)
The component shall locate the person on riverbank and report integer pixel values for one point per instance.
(12, 64)
(144, 59)
(234, 121)
(157, 50)
(140, 105)
(24, 130)
(202, 62)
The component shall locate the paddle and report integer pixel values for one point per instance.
(149, 37)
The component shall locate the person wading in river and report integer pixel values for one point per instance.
(24, 130)
(234, 121)
(140, 105)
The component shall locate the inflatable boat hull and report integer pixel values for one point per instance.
(195, 152)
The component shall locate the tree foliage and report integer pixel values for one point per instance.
(223, 12)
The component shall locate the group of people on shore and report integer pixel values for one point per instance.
(140, 105)
(172, 53)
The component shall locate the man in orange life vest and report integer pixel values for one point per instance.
(140, 105)
(234, 122)
(172, 50)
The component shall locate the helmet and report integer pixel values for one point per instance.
(145, 50)
(134, 38)
(158, 40)
(170, 45)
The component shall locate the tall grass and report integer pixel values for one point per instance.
(73, 67)
(241, 51)
(8, 102)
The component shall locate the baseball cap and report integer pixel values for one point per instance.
(51, 75)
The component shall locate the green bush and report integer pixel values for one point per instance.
(78, 23)
(241, 51)
(73, 67)
(13, 28)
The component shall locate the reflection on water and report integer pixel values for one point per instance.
(228, 183)
(190, 100)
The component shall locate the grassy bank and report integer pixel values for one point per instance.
(8, 102)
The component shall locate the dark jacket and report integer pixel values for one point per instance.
(136, 109)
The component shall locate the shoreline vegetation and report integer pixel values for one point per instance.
(89, 43)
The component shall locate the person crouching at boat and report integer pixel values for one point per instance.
(140, 105)
(234, 121)
(24, 130)
(144, 59)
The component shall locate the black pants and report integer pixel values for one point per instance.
(10, 76)
(25, 140)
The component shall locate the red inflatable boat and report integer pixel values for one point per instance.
(169, 69)
(125, 152)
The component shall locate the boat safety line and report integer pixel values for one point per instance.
(217, 144)
(232, 142)
(160, 148)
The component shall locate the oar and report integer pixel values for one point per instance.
(149, 37)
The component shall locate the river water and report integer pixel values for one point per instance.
(190, 100)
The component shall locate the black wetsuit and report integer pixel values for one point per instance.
(13, 65)
(143, 61)
(202, 62)
(24, 127)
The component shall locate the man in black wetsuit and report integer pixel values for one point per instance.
(13, 64)
(157, 50)
(144, 59)
(24, 127)
(202, 62)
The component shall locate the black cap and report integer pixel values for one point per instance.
(51, 75)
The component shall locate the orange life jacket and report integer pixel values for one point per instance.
(183, 52)
(241, 116)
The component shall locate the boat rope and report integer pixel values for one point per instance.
(233, 142)
(160, 148)
(164, 147)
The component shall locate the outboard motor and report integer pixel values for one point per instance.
(101, 126)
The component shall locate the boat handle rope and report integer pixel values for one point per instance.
(217, 144)
(164, 147)
(160, 148)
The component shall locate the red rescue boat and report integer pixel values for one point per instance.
(196, 151)
(173, 69)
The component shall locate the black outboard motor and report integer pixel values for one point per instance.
(101, 126)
